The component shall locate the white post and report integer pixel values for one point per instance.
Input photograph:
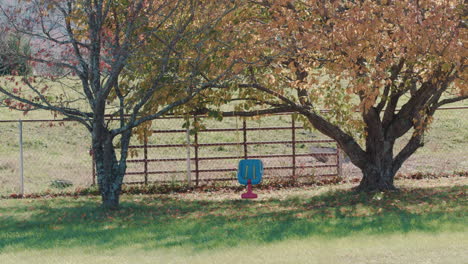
(20, 128)
(189, 169)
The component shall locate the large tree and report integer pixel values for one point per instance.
(131, 60)
(381, 68)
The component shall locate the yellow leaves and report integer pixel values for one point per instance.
(463, 91)
(421, 122)
(271, 79)
(295, 84)
(143, 132)
(446, 67)
(68, 19)
(292, 66)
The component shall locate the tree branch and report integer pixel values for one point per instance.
(74, 114)
(451, 100)
(413, 144)
(395, 71)
(269, 91)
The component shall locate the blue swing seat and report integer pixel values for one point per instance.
(251, 169)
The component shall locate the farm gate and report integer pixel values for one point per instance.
(172, 154)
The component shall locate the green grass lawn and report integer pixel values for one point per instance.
(424, 223)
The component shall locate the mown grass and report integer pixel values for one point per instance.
(183, 229)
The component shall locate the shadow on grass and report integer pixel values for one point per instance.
(151, 222)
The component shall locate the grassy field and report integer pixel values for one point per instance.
(424, 223)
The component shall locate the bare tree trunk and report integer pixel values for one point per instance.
(110, 171)
(377, 179)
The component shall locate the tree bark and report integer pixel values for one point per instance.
(376, 162)
(110, 171)
(377, 179)
(379, 170)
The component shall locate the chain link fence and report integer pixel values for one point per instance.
(39, 155)
(56, 155)
(53, 155)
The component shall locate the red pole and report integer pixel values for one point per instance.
(145, 151)
(293, 128)
(339, 163)
(197, 173)
(249, 194)
(244, 128)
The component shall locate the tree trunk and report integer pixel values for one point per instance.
(110, 194)
(377, 179)
(379, 171)
(110, 183)
(110, 172)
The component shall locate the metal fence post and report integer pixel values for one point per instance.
(189, 169)
(293, 128)
(339, 162)
(197, 173)
(21, 160)
(244, 128)
(145, 153)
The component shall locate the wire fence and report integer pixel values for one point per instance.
(48, 155)
(40, 155)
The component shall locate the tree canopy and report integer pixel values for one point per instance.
(130, 60)
(380, 68)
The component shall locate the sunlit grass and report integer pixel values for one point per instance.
(335, 226)
(443, 248)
